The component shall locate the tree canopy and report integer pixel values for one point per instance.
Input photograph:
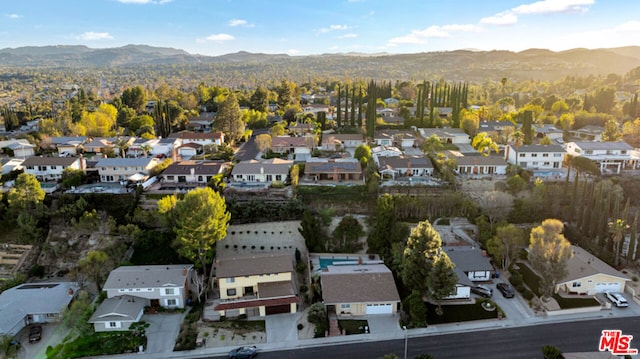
(549, 252)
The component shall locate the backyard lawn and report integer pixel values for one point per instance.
(459, 313)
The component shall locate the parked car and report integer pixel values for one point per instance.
(35, 333)
(617, 299)
(249, 351)
(506, 290)
(482, 291)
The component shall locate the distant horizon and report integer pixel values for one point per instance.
(208, 28)
(305, 55)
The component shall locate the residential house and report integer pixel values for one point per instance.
(256, 285)
(472, 261)
(166, 146)
(386, 112)
(443, 112)
(384, 151)
(11, 164)
(394, 120)
(361, 289)
(402, 139)
(117, 313)
(340, 141)
(51, 168)
(611, 157)
(71, 145)
(189, 150)
(121, 169)
(400, 166)
(315, 108)
(101, 144)
(301, 129)
(546, 130)
(481, 165)
(446, 135)
(588, 133)
(333, 170)
(300, 147)
(496, 126)
(193, 172)
(201, 123)
(167, 286)
(270, 170)
(587, 274)
(463, 286)
(535, 156)
(202, 138)
(391, 101)
(31, 303)
(17, 148)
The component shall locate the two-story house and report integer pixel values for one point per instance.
(403, 139)
(167, 286)
(612, 157)
(256, 285)
(51, 168)
(271, 170)
(535, 156)
(202, 138)
(120, 169)
(193, 172)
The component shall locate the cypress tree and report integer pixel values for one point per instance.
(633, 239)
(339, 110)
(346, 104)
(361, 94)
(353, 106)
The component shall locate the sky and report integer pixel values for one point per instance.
(303, 27)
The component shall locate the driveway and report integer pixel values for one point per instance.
(282, 328)
(162, 331)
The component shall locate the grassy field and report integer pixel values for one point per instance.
(353, 326)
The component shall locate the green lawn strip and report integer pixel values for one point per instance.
(98, 344)
(353, 326)
(530, 278)
(459, 313)
(568, 303)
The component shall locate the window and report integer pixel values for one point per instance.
(251, 177)
(576, 284)
(345, 306)
(53, 167)
(546, 163)
(231, 292)
(170, 178)
(534, 155)
(623, 152)
(199, 178)
(545, 155)
(169, 291)
(588, 152)
(172, 302)
(30, 167)
(521, 155)
(42, 168)
(114, 325)
(534, 163)
(278, 177)
(230, 280)
(269, 178)
(557, 155)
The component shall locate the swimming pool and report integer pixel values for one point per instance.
(324, 262)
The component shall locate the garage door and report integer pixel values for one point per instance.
(379, 309)
(277, 309)
(605, 287)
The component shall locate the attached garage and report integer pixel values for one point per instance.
(608, 287)
(379, 309)
(278, 309)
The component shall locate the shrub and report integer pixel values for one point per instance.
(516, 280)
(300, 326)
(303, 288)
(317, 314)
(527, 294)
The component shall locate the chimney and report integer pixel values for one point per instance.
(484, 253)
(261, 170)
(359, 260)
(184, 271)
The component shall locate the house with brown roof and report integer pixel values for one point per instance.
(333, 170)
(298, 146)
(51, 168)
(360, 289)
(274, 169)
(193, 172)
(401, 166)
(202, 138)
(397, 138)
(340, 141)
(256, 285)
(301, 129)
(587, 274)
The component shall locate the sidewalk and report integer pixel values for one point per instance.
(379, 333)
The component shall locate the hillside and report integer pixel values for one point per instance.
(465, 65)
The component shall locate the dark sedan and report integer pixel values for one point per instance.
(249, 351)
(506, 290)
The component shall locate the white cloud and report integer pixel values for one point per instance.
(605, 38)
(93, 36)
(293, 52)
(14, 16)
(435, 31)
(348, 36)
(239, 22)
(334, 28)
(219, 37)
(510, 16)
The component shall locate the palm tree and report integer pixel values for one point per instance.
(617, 229)
(432, 144)
(518, 138)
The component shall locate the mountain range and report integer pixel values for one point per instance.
(465, 65)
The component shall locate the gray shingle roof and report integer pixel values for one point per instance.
(584, 264)
(125, 162)
(469, 259)
(590, 145)
(538, 148)
(404, 162)
(332, 166)
(358, 284)
(151, 276)
(272, 166)
(123, 308)
(199, 167)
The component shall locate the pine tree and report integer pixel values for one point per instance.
(339, 110)
(633, 239)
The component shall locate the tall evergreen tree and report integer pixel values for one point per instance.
(353, 106)
(339, 109)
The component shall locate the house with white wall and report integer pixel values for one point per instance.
(271, 170)
(51, 168)
(120, 169)
(611, 157)
(535, 157)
